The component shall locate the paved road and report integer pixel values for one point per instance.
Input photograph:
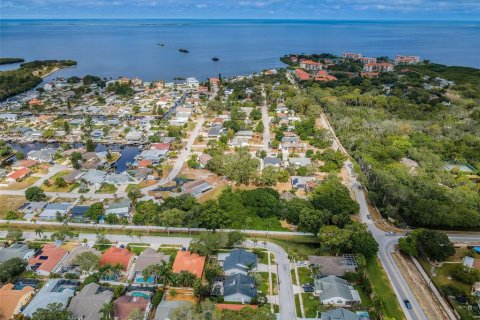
(386, 244)
(287, 302)
(184, 155)
(266, 125)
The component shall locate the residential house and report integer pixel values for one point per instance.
(336, 291)
(300, 162)
(154, 155)
(97, 134)
(133, 135)
(16, 250)
(238, 261)
(25, 163)
(301, 182)
(47, 259)
(160, 146)
(142, 173)
(117, 178)
(30, 209)
(203, 159)
(166, 308)
(215, 131)
(94, 177)
(120, 209)
(42, 155)
(88, 303)
(18, 175)
(196, 188)
(78, 213)
(78, 250)
(187, 261)
(271, 162)
(333, 266)
(147, 258)
(8, 117)
(239, 288)
(54, 291)
(322, 75)
(242, 138)
(339, 314)
(53, 210)
(13, 299)
(117, 256)
(73, 176)
(124, 306)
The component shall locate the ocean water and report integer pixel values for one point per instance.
(113, 48)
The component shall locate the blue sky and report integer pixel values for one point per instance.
(263, 9)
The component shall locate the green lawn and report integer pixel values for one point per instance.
(443, 274)
(132, 187)
(310, 304)
(107, 188)
(381, 288)
(264, 285)
(366, 301)
(304, 275)
(298, 248)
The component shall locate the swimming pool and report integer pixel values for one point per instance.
(140, 279)
(140, 294)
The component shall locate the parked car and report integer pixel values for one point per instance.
(390, 233)
(407, 304)
(369, 216)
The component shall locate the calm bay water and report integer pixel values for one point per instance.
(112, 48)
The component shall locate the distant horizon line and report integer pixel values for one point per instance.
(250, 19)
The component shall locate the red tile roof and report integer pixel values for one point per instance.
(114, 256)
(160, 146)
(302, 75)
(26, 163)
(144, 163)
(187, 261)
(310, 62)
(53, 254)
(124, 306)
(20, 173)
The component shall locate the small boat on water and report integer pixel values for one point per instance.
(215, 59)
(183, 50)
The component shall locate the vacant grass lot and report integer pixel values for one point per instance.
(304, 275)
(107, 188)
(10, 203)
(381, 288)
(27, 182)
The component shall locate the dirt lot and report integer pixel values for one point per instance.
(429, 303)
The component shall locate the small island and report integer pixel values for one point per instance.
(10, 60)
(183, 50)
(215, 59)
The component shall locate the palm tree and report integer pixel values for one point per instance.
(185, 279)
(162, 272)
(39, 232)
